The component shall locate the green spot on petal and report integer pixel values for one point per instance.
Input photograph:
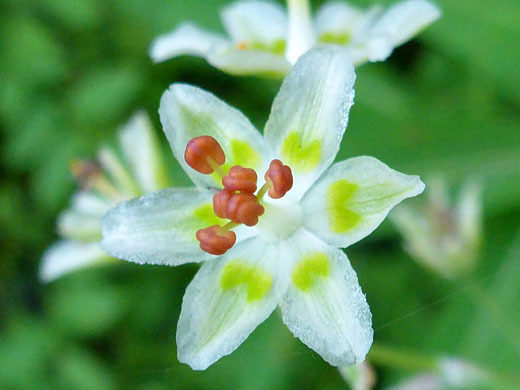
(335, 38)
(239, 272)
(299, 155)
(206, 215)
(342, 219)
(244, 155)
(306, 272)
(277, 47)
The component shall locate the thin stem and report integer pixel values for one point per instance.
(261, 193)
(228, 226)
(388, 356)
(217, 168)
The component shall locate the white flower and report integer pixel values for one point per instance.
(444, 237)
(105, 184)
(264, 40)
(291, 257)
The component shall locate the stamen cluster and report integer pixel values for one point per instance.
(237, 200)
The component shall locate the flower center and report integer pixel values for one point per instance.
(280, 221)
(237, 200)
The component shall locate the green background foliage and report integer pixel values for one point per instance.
(72, 71)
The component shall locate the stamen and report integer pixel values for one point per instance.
(239, 208)
(90, 176)
(240, 179)
(241, 46)
(215, 240)
(205, 155)
(280, 176)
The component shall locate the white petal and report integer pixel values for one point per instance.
(125, 185)
(397, 25)
(353, 197)
(159, 228)
(231, 59)
(185, 39)
(141, 149)
(301, 34)
(66, 256)
(310, 114)
(82, 220)
(324, 306)
(336, 22)
(227, 300)
(259, 24)
(188, 112)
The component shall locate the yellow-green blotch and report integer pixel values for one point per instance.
(306, 272)
(206, 216)
(342, 219)
(298, 155)
(277, 47)
(242, 154)
(238, 272)
(335, 38)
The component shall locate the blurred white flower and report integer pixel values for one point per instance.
(444, 237)
(291, 258)
(263, 39)
(360, 376)
(451, 374)
(104, 184)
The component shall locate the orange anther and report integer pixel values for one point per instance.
(281, 178)
(220, 202)
(244, 208)
(240, 179)
(203, 154)
(215, 240)
(241, 46)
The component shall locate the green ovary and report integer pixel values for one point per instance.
(342, 219)
(335, 38)
(238, 272)
(300, 156)
(308, 270)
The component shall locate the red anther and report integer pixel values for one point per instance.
(281, 178)
(240, 179)
(202, 153)
(220, 202)
(244, 208)
(215, 240)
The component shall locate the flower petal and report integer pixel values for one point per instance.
(310, 113)
(256, 25)
(353, 197)
(324, 306)
(229, 58)
(68, 255)
(185, 39)
(159, 228)
(227, 300)
(141, 149)
(337, 22)
(188, 112)
(397, 25)
(82, 220)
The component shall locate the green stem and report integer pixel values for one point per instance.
(389, 356)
